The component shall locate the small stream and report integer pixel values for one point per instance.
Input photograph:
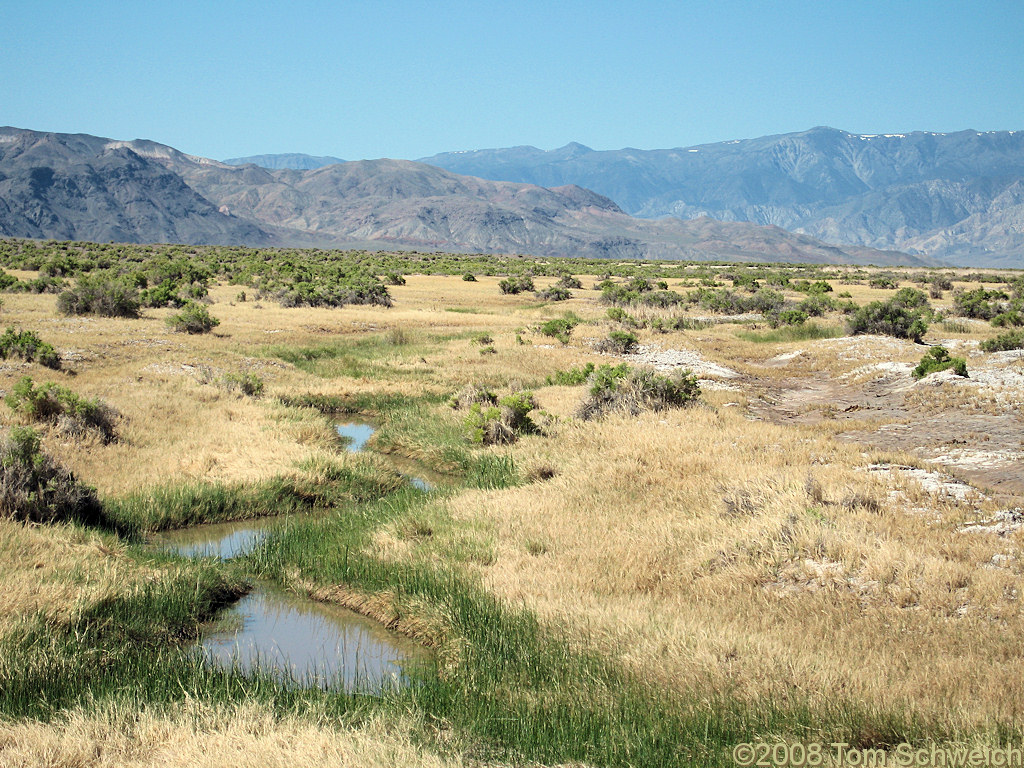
(295, 639)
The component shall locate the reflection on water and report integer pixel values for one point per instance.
(356, 433)
(419, 482)
(304, 642)
(220, 540)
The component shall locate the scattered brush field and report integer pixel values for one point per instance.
(678, 506)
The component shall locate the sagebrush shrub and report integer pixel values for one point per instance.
(516, 284)
(560, 327)
(28, 346)
(632, 390)
(939, 359)
(34, 488)
(1004, 342)
(51, 403)
(100, 294)
(554, 293)
(618, 343)
(888, 318)
(194, 318)
(503, 423)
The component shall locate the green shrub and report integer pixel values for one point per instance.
(911, 298)
(938, 359)
(1013, 318)
(569, 282)
(618, 343)
(883, 281)
(504, 423)
(393, 278)
(469, 277)
(100, 294)
(554, 293)
(165, 294)
(816, 305)
(571, 377)
(561, 327)
(888, 318)
(54, 404)
(787, 317)
(632, 390)
(979, 303)
(6, 280)
(34, 488)
(516, 284)
(1004, 342)
(28, 346)
(248, 384)
(194, 318)
(817, 288)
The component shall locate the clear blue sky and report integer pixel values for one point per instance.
(408, 79)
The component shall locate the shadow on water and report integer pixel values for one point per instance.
(307, 643)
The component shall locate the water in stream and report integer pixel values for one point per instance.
(304, 642)
(296, 639)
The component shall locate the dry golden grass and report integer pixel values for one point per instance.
(53, 569)
(702, 548)
(199, 735)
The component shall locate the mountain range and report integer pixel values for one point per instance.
(295, 161)
(77, 186)
(958, 197)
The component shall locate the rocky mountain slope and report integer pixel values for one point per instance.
(78, 186)
(954, 196)
(295, 161)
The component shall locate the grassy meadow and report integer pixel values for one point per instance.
(635, 586)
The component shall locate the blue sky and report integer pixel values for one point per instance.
(408, 79)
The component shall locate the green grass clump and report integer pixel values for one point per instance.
(321, 486)
(51, 403)
(805, 332)
(1004, 342)
(938, 359)
(28, 346)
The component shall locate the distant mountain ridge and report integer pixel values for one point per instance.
(76, 186)
(295, 161)
(955, 196)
